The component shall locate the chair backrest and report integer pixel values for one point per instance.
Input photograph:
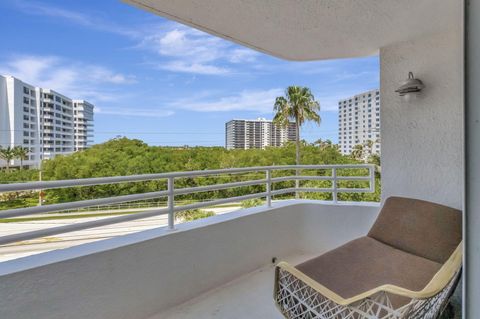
(419, 227)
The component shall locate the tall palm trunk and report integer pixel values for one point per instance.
(297, 105)
(297, 157)
(297, 145)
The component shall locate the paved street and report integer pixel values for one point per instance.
(35, 246)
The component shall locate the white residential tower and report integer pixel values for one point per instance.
(259, 133)
(42, 120)
(359, 122)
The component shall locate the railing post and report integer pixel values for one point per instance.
(334, 184)
(269, 187)
(297, 183)
(371, 172)
(171, 203)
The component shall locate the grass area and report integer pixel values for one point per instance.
(188, 215)
(19, 203)
(33, 201)
(193, 214)
(66, 216)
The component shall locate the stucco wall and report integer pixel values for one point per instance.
(422, 140)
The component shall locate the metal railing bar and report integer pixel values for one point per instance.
(315, 190)
(353, 178)
(137, 178)
(79, 226)
(268, 187)
(283, 191)
(320, 178)
(335, 185)
(171, 203)
(17, 212)
(353, 190)
(371, 172)
(319, 190)
(189, 190)
(301, 178)
(116, 179)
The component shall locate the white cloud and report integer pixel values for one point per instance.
(197, 68)
(86, 20)
(189, 51)
(259, 101)
(102, 74)
(185, 49)
(71, 78)
(197, 46)
(132, 111)
(242, 55)
(182, 42)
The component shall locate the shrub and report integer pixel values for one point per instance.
(252, 202)
(193, 214)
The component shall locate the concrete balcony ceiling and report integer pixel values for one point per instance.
(311, 29)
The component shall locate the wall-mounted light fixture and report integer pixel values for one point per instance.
(410, 88)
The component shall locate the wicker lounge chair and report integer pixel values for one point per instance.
(406, 267)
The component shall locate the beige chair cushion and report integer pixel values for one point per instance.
(419, 227)
(366, 263)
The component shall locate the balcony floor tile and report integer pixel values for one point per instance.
(249, 296)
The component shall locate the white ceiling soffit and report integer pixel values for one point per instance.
(311, 29)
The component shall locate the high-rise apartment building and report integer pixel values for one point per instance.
(259, 133)
(83, 124)
(359, 122)
(45, 122)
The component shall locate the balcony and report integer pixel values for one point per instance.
(221, 266)
(202, 255)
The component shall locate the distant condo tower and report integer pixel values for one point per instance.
(259, 133)
(45, 122)
(359, 121)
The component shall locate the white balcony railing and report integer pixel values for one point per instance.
(172, 191)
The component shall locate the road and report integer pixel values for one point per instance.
(35, 246)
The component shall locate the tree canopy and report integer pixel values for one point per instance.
(123, 156)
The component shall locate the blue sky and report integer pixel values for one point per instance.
(157, 80)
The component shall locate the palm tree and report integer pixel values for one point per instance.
(369, 146)
(323, 144)
(357, 152)
(7, 154)
(21, 153)
(297, 105)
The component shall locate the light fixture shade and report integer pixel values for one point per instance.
(410, 86)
